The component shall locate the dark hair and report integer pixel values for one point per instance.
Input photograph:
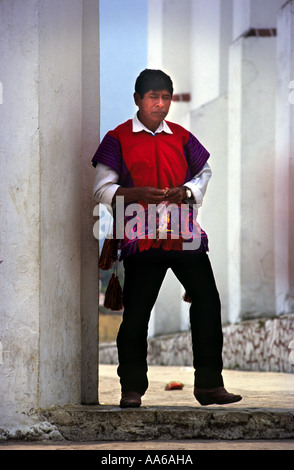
(151, 79)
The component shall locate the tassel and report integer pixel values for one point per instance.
(187, 298)
(113, 294)
(108, 254)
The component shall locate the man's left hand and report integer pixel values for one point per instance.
(176, 195)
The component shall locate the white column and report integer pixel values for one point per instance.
(169, 44)
(256, 14)
(169, 40)
(60, 41)
(42, 139)
(284, 169)
(89, 245)
(20, 211)
(155, 33)
(251, 178)
(205, 51)
(212, 132)
(211, 34)
(69, 124)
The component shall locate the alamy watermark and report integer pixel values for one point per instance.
(156, 222)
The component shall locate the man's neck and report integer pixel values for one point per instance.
(151, 126)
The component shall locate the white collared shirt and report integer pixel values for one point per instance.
(138, 126)
(105, 179)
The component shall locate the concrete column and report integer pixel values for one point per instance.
(155, 33)
(213, 132)
(251, 178)
(169, 40)
(60, 119)
(258, 14)
(43, 205)
(204, 39)
(210, 38)
(20, 211)
(89, 245)
(284, 169)
(169, 46)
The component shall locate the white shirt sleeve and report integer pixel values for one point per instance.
(105, 184)
(199, 183)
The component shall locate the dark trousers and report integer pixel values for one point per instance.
(144, 274)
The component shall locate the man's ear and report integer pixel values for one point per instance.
(136, 98)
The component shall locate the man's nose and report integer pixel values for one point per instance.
(160, 103)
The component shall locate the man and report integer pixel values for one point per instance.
(151, 162)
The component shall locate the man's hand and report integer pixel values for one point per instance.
(146, 194)
(151, 195)
(176, 195)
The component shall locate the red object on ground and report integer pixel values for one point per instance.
(174, 385)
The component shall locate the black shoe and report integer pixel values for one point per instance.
(215, 396)
(130, 400)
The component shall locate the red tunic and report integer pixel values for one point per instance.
(163, 161)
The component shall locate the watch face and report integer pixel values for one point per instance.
(188, 193)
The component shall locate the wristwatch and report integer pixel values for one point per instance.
(189, 194)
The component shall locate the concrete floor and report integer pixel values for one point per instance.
(260, 390)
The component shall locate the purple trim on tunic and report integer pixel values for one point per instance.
(109, 153)
(196, 155)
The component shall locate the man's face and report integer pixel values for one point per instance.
(153, 107)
